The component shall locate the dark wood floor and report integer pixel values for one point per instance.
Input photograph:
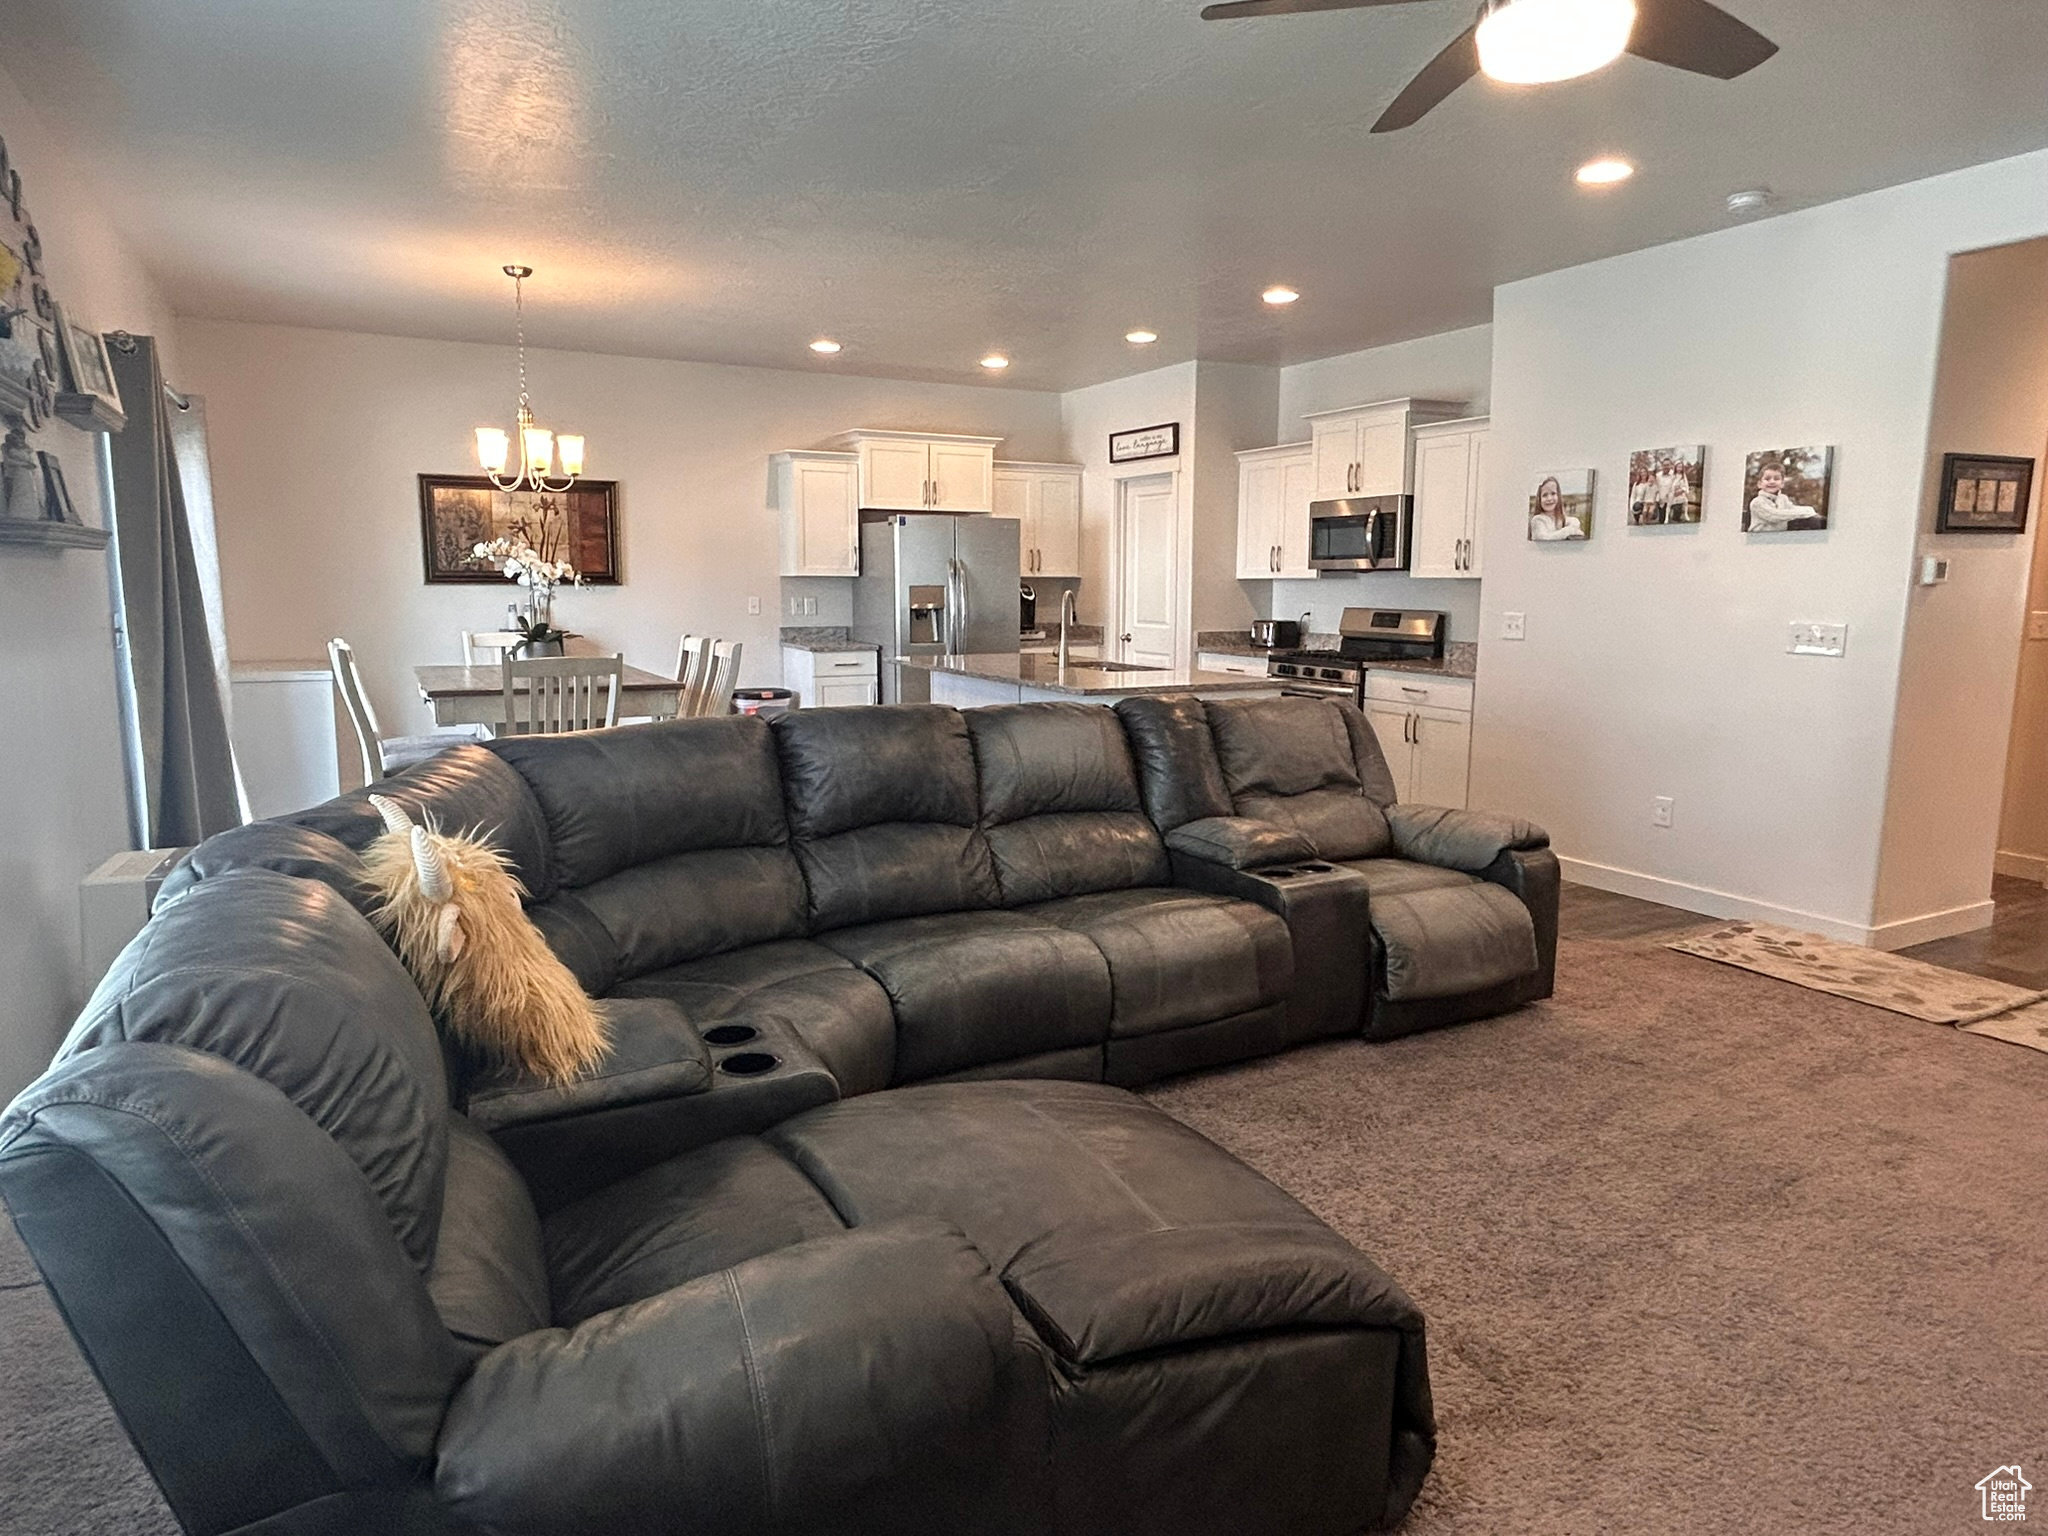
(2013, 949)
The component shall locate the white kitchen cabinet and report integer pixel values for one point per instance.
(1046, 501)
(1273, 492)
(1450, 491)
(830, 679)
(1363, 450)
(816, 495)
(1226, 661)
(1424, 726)
(923, 472)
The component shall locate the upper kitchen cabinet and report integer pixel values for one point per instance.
(924, 471)
(1272, 512)
(816, 495)
(1450, 489)
(1363, 450)
(1046, 501)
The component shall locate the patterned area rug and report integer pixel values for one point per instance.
(1911, 987)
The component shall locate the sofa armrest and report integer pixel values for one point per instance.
(655, 1053)
(1328, 916)
(874, 1373)
(1240, 842)
(1534, 876)
(1466, 840)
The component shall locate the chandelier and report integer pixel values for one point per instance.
(537, 445)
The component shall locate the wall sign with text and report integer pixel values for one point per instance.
(1160, 442)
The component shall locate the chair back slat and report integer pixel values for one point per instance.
(341, 664)
(550, 695)
(481, 647)
(720, 676)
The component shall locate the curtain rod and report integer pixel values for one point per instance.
(122, 341)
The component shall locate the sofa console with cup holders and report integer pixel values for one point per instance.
(851, 1230)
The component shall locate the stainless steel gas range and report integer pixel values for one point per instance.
(1366, 635)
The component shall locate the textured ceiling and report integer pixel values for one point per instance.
(926, 180)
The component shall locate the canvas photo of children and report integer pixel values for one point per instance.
(1786, 490)
(1666, 485)
(1561, 507)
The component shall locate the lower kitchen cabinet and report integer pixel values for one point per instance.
(830, 679)
(1424, 725)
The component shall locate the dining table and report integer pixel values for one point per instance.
(475, 695)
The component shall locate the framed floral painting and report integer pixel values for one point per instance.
(459, 512)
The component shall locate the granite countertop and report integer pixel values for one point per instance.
(824, 637)
(1079, 679)
(1460, 658)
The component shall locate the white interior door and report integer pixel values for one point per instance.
(1146, 557)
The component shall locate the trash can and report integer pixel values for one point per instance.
(765, 702)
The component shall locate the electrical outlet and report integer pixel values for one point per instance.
(1660, 811)
(810, 607)
(753, 605)
(1818, 639)
(2037, 624)
(1514, 626)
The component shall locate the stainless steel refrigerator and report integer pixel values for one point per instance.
(934, 585)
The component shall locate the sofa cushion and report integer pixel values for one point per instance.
(619, 799)
(969, 988)
(489, 1281)
(1117, 1229)
(465, 789)
(693, 1215)
(1179, 957)
(289, 982)
(1060, 802)
(702, 903)
(1281, 746)
(1453, 939)
(837, 1009)
(1340, 823)
(278, 846)
(1175, 754)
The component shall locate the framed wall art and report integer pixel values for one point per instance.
(1561, 507)
(89, 397)
(1666, 486)
(459, 512)
(1984, 493)
(1787, 490)
(1160, 442)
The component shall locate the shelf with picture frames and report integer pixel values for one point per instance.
(43, 533)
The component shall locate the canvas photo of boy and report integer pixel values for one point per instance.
(1786, 490)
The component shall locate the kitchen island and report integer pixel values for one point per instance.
(1013, 678)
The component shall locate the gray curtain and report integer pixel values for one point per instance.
(187, 767)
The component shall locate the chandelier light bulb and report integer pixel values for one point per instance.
(493, 447)
(571, 446)
(537, 444)
(540, 449)
(1536, 42)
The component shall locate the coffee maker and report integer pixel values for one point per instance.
(1027, 607)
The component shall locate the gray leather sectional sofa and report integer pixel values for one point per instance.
(851, 1232)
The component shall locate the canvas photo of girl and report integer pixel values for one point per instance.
(1561, 508)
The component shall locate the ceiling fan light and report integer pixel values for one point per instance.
(1535, 42)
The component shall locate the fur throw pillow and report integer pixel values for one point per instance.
(450, 907)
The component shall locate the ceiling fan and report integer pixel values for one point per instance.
(1534, 42)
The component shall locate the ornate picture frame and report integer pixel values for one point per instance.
(1984, 493)
(458, 512)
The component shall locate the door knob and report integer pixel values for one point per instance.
(1125, 638)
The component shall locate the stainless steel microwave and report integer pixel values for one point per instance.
(1360, 533)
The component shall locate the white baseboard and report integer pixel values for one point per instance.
(2022, 866)
(1712, 903)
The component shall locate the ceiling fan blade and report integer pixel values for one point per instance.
(1698, 36)
(1233, 10)
(1440, 76)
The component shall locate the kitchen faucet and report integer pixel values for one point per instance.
(1067, 616)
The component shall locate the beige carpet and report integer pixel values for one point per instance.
(1700, 1254)
(1894, 982)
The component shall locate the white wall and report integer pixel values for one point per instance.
(1235, 406)
(1963, 639)
(1655, 662)
(61, 774)
(318, 437)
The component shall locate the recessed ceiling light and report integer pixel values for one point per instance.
(1277, 296)
(825, 346)
(995, 362)
(1605, 172)
(1750, 200)
(1141, 338)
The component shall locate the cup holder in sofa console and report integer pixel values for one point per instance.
(749, 1063)
(731, 1034)
(1318, 869)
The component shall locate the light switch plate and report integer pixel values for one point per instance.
(1514, 626)
(1810, 639)
(1660, 811)
(753, 605)
(1933, 570)
(2037, 624)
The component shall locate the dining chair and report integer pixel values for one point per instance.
(550, 695)
(720, 674)
(382, 755)
(693, 656)
(483, 647)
